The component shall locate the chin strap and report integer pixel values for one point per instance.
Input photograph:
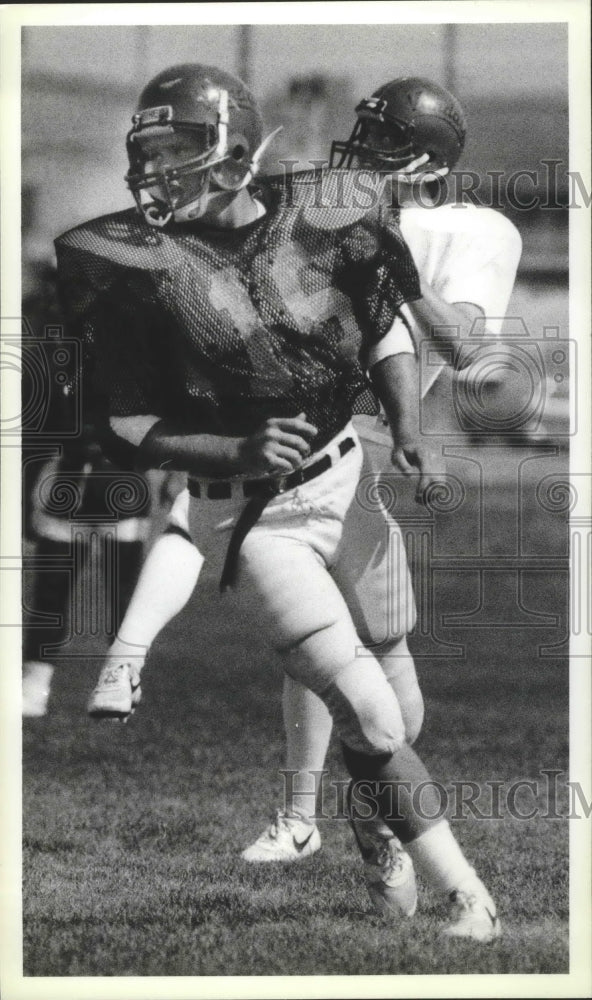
(155, 214)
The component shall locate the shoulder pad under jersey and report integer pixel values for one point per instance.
(123, 238)
(331, 199)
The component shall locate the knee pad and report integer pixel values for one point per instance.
(399, 669)
(365, 709)
(413, 713)
(362, 703)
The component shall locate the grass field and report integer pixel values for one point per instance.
(132, 834)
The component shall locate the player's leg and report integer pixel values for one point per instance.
(399, 669)
(398, 774)
(372, 575)
(308, 726)
(51, 596)
(435, 852)
(56, 551)
(118, 691)
(165, 584)
(289, 594)
(130, 556)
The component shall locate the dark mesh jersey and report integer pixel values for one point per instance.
(218, 330)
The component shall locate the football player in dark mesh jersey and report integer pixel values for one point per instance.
(227, 327)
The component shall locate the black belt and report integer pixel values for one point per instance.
(259, 492)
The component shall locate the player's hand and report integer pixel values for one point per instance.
(171, 485)
(413, 174)
(417, 457)
(278, 447)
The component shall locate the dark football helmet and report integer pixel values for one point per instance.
(404, 119)
(216, 115)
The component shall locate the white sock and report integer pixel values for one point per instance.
(166, 582)
(308, 730)
(440, 860)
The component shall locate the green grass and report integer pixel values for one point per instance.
(132, 834)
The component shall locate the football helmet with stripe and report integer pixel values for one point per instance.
(195, 126)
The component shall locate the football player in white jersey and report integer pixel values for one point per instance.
(294, 834)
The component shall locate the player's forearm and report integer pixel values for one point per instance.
(396, 383)
(449, 323)
(198, 454)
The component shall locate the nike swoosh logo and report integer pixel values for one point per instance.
(491, 916)
(300, 845)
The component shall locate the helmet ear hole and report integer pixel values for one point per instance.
(230, 174)
(238, 148)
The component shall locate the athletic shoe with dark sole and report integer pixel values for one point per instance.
(117, 693)
(472, 915)
(389, 875)
(287, 839)
(388, 869)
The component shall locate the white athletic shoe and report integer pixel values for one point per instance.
(36, 688)
(117, 693)
(472, 915)
(289, 838)
(389, 876)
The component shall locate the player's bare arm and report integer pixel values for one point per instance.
(450, 323)
(396, 383)
(279, 445)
